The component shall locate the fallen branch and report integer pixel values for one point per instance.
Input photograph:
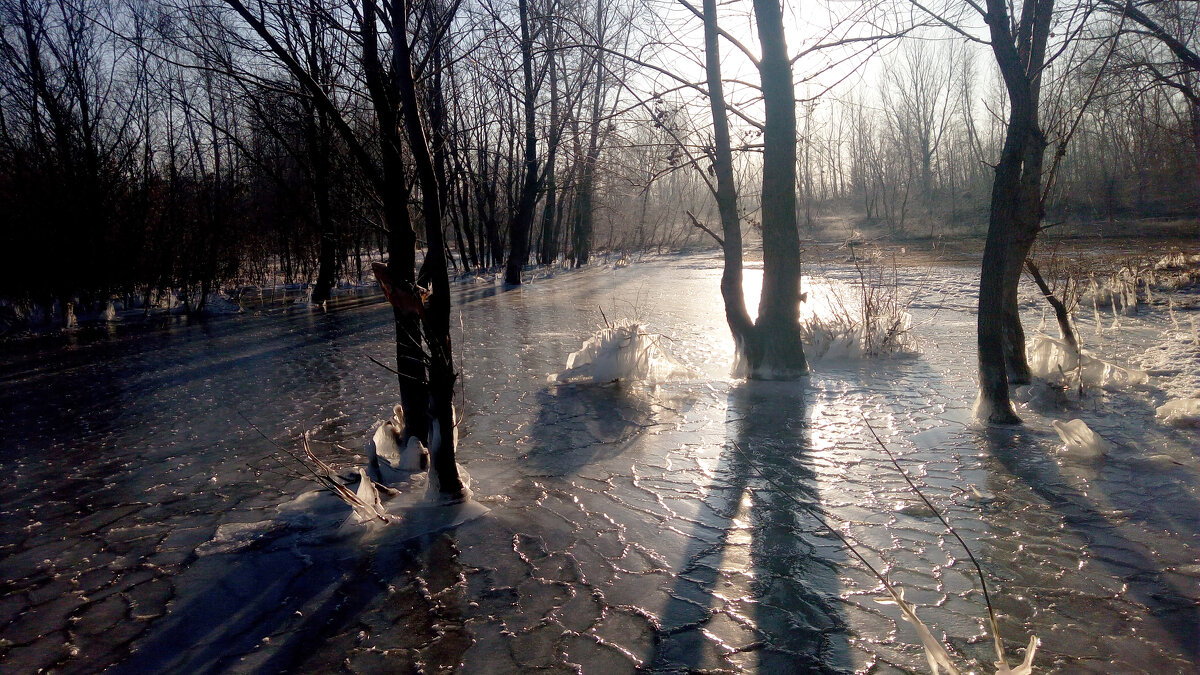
(714, 235)
(1060, 309)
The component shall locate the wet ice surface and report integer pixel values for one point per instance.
(142, 531)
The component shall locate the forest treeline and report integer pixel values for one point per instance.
(158, 146)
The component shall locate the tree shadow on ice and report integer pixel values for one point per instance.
(299, 602)
(1100, 514)
(582, 425)
(758, 586)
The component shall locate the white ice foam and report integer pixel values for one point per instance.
(1080, 441)
(623, 351)
(1180, 412)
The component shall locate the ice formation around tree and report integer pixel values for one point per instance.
(1053, 360)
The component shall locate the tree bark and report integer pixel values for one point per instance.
(736, 314)
(769, 348)
(443, 431)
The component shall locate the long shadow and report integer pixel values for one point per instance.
(290, 604)
(763, 577)
(581, 425)
(1129, 561)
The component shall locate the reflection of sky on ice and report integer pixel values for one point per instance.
(625, 529)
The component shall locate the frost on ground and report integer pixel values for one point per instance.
(622, 351)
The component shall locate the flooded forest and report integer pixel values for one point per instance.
(669, 336)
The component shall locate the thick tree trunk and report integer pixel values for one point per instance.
(1016, 207)
(779, 348)
(443, 432)
(769, 348)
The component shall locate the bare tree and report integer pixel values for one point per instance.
(770, 346)
(1016, 207)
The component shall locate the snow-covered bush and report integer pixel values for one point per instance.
(856, 320)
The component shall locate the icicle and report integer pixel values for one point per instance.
(1026, 665)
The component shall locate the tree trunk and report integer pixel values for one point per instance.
(327, 255)
(518, 253)
(1016, 208)
(548, 251)
(443, 432)
(584, 224)
(736, 314)
(779, 349)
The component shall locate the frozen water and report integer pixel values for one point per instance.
(1180, 412)
(1080, 441)
(624, 532)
